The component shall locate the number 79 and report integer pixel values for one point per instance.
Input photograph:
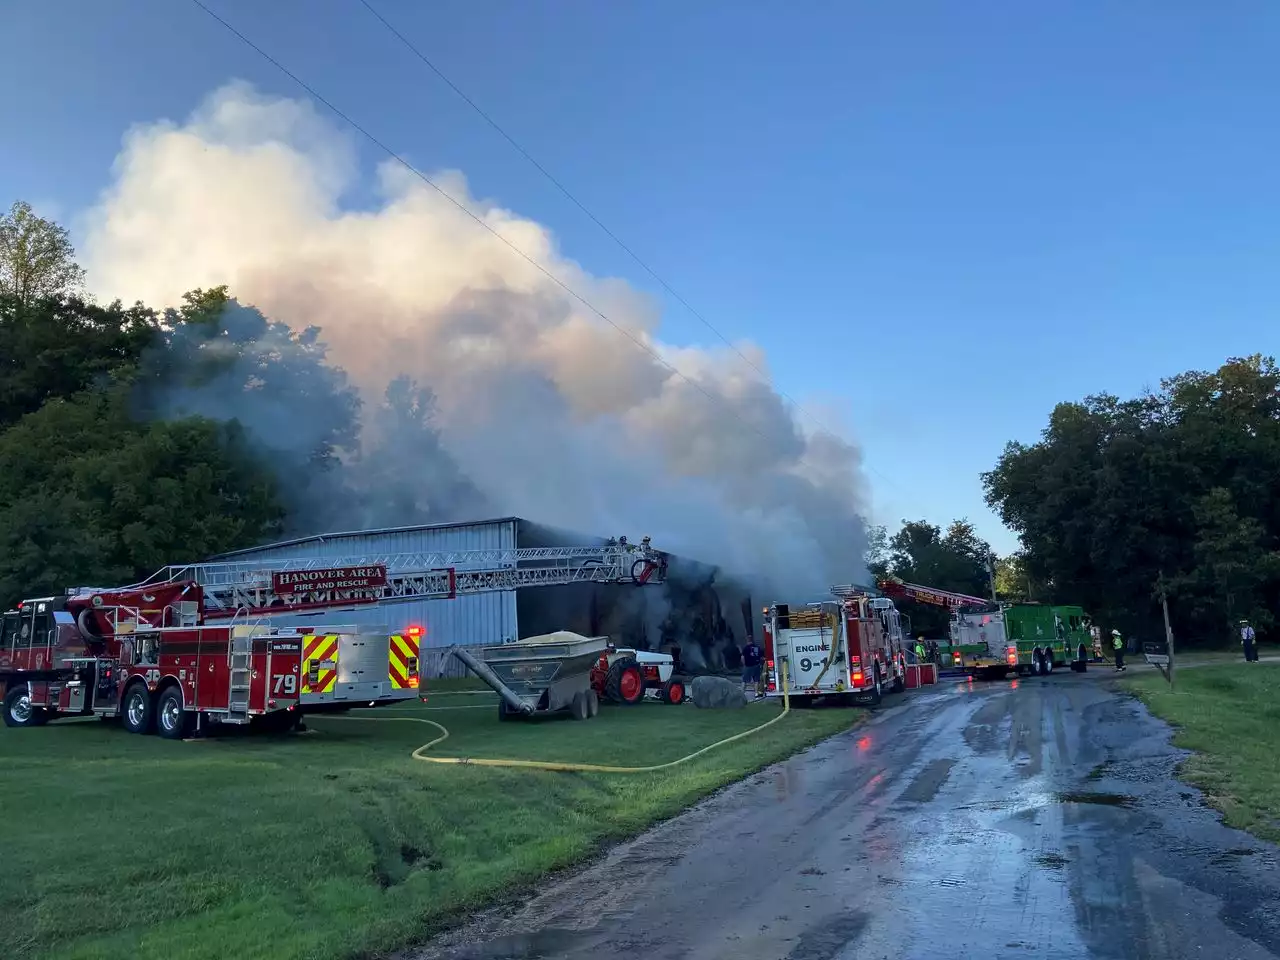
(286, 683)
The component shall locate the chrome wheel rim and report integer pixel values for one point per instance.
(170, 715)
(20, 710)
(137, 710)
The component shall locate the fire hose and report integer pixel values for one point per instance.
(567, 767)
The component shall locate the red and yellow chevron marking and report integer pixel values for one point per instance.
(319, 663)
(402, 662)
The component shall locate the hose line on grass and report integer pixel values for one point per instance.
(566, 767)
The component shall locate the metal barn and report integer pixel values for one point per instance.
(468, 620)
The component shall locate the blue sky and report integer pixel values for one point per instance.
(938, 218)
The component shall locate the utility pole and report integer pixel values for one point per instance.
(1168, 630)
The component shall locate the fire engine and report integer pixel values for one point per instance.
(988, 639)
(849, 648)
(213, 642)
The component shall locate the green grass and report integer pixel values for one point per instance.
(1230, 716)
(334, 843)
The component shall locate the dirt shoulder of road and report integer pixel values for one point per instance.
(1228, 714)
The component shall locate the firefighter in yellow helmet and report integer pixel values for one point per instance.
(1117, 646)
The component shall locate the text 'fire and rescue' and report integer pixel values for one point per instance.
(332, 578)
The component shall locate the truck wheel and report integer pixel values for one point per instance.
(877, 692)
(673, 692)
(173, 722)
(139, 716)
(593, 703)
(578, 706)
(18, 711)
(1037, 662)
(625, 683)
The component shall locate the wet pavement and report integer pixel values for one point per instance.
(1031, 820)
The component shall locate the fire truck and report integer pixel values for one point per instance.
(207, 643)
(988, 639)
(850, 648)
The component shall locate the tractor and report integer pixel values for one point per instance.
(627, 676)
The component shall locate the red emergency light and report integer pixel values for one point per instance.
(414, 631)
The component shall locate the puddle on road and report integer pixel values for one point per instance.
(1102, 799)
(1054, 861)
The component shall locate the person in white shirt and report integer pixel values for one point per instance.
(1249, 639)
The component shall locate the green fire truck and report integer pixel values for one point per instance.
(988, 640)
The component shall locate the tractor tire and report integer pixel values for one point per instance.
(174, 722)
(593, 703)
(625, 682)
(18, 711)
(138, 710)
(673, 692)
(578, 707)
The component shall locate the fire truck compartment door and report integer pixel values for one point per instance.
(362, 669)
(807, 651)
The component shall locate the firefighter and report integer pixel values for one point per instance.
(920, 655)
(751, 657)
(1117, 645)
(1250, 641)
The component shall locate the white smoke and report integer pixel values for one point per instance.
(548, 410)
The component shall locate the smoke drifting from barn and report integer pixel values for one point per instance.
(536, 407)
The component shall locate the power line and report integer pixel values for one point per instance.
(591, 216)
(479, 220)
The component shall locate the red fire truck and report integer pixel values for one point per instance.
(233, 642)
(849, 648)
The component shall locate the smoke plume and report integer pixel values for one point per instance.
(541, 409)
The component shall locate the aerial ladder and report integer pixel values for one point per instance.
(270, 586)
(976, 631)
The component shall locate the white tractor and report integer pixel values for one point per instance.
(627, 676)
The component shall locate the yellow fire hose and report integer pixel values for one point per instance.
(562, 767)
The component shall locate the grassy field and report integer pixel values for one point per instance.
(1230, 716)
(333, 843)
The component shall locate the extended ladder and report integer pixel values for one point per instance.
(239, 586)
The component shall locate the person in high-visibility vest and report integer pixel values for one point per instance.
(1117, 645)
(919, 649)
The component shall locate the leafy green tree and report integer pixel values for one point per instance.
(88, 495)
(57, 346)
(1179, 481)
(36, 257)
(955, 561)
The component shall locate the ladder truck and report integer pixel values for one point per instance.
(850, 648)
(235, 641)
(988, 639)
(977, 636)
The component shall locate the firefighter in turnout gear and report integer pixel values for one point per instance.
(1117, 645)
